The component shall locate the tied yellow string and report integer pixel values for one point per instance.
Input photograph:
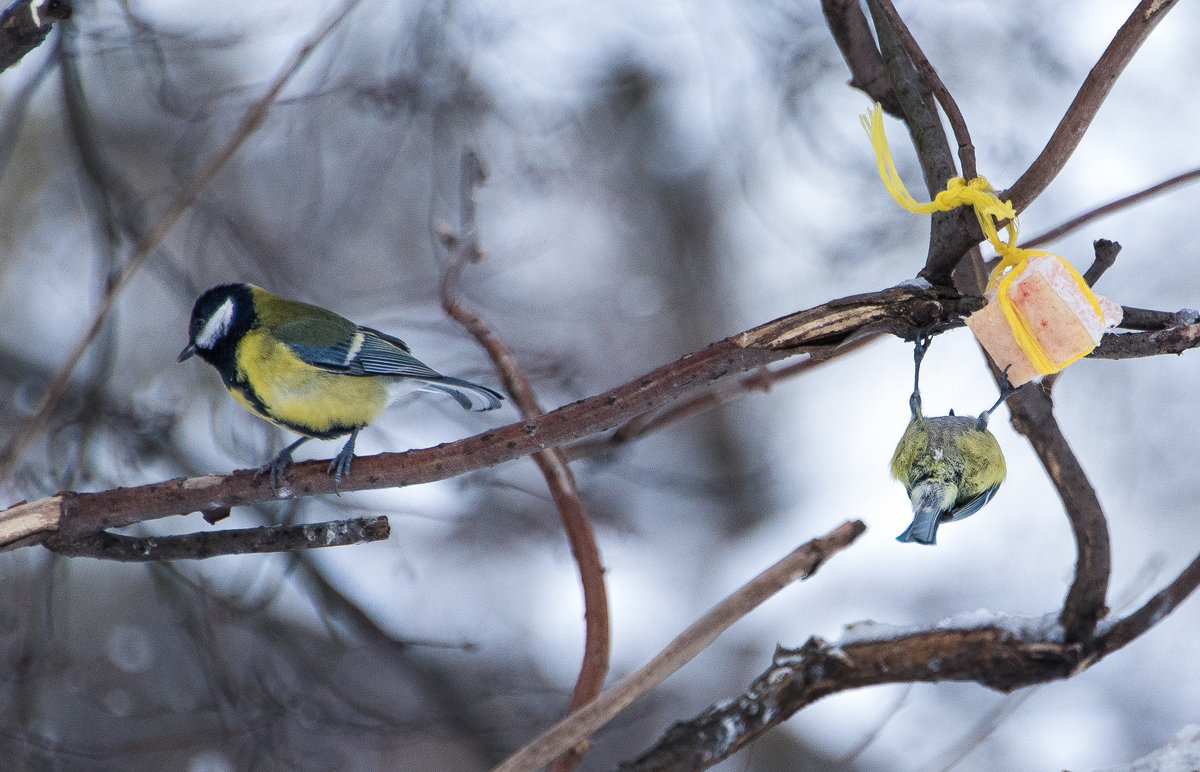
(990, 211)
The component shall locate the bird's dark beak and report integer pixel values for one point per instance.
(188, 352)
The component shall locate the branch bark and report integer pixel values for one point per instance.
(208, 544)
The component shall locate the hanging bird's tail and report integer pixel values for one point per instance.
(930, 500)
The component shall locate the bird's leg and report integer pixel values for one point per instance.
(275, 466)
(340, 467)
(922, 345)
(1006, 391)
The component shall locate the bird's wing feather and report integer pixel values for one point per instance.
(381, 354)
(971, 506)
(358, 351)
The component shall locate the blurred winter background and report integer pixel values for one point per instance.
(661, 175)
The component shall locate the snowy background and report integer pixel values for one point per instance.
(661, 175)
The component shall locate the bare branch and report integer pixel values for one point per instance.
(966, 149)
(1175, 339)
(1075, 223)
(801, 563)
(1150, 614)
(1106, 257)
(950, 233)
(1032, 412)
(1087, 102)
(240, 541)
(853, 37)
(897, 310)
(990, 656)
(823, 331)
(552, 462)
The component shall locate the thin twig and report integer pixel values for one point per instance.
(1152, 612)
(1075, 223)
(208, 544)
(758, 380)
(251, 121)
(801, 563)
(966, 149)
(1092, 94)
(552, 462)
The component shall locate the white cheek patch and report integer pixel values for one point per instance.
(216, 327)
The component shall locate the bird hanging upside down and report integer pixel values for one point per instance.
(950, 465)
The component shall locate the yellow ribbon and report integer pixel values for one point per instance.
(990, 211)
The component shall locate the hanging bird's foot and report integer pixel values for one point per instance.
(1006, 391)
(920, 346)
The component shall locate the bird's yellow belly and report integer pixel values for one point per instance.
(301, 397)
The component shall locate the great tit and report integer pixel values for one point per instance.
(310, 370)
(950, 465)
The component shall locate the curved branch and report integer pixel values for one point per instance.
(991, 656)
(1032, 413)
(1087, 102)
(552, 462)
(1002, 656)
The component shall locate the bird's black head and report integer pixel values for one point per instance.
(220, 318)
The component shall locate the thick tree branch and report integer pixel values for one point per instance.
(946, 229)
(822, 331)
(1032, 413)
(991, 656)
(853, 37)
(929, 76)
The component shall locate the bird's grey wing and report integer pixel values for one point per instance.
(354, 351)
(376, 353)
(970, 506)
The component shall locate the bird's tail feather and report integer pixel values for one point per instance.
(471, 396)
(923, 529)
(930, 500)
